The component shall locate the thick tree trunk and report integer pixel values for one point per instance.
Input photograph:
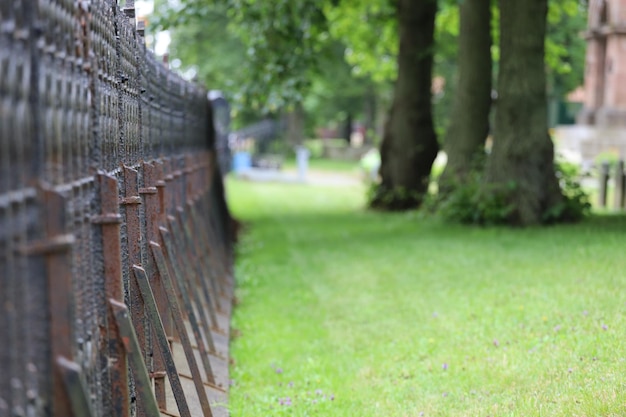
(469, 125)
(523, 154)
(409, 144)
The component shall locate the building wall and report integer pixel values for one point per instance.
(605, 74)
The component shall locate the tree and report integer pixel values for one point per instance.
(469, 123)
(409, 144)
(521, 164)
(565, 47)
(203, 42)
(338, 93)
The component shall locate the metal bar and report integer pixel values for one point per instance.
(205, 274)
(131, 203)
(161, 339)
(112, 252)
(619, 186)
(74, 386)
(215, 242)
(184, 291)
(195, 282)
(159, 257)
(194, 248)
(57, 251)
(604, 180)
(83, 104)
(151, 222)
(194, 274)
(204, 242)
(134, 352)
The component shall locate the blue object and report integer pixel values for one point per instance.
(302, 158)
(241, 161)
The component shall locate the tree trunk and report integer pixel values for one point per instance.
(295, 125)
(469, 125)
(347, 129)
(522, 157)
(409, 144)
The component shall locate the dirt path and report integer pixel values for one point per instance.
(313, 177)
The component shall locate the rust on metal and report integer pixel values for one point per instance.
(100, 147)
(194, 278)
(143, 386)
(200, 269)
(74, 387)
(109, 218)
(130, 204)
(112, 253)
(206, 384)
(59, 270)
(151, 206)
(200, 245)
(127, 201)
(162, 342)
(148, 190)
(183, 290)
(159, 257)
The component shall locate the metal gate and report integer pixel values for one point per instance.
(115, 248)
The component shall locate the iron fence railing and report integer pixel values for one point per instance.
(115, 260)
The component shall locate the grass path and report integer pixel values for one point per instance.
(350, 313)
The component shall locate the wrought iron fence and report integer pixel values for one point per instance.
(115, 260)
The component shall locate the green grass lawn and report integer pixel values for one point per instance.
(344, 312)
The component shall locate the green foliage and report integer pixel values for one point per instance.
(473, 202)
(610, 157)
(218, 63)
(285, 39)
(371, 47)
(282, 43)
(575, 204)
(565, 47)
(336, 90)
(272, 53)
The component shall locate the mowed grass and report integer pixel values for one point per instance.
(344, 312)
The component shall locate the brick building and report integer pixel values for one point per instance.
(601, 127)
(605, 74)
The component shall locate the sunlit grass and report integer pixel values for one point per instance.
(345, 312)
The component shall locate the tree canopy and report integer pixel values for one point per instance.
(273, 55)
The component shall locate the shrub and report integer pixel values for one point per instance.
(575, 205)
(610, 157)
(476, 203)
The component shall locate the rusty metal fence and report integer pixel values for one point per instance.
(115, 255)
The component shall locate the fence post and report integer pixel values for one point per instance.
(604, 181)
(619, 186)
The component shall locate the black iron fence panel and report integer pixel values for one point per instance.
(115, 256)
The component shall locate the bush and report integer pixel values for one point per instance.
(475, 203)
(610, 157)
(575, 205)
